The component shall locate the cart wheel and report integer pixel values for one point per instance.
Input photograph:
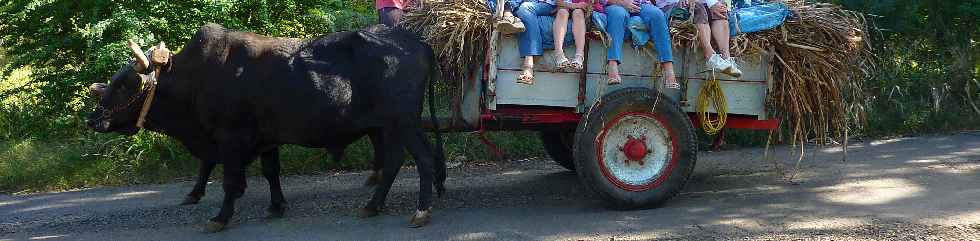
(633, 150)
(559, 146)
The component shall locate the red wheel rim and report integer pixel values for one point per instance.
(629, 148)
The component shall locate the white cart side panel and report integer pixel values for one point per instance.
(745, 95)
(549, 89)
(754, 67)
(634, 61)
(509, 57)
(744, 98)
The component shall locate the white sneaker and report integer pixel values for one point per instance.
(717, 63)
(733, 69)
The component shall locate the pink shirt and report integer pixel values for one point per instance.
(400, 4)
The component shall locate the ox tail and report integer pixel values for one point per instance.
(440, 154)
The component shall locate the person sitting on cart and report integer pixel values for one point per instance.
(618, 13)
(529, 41)
(577, 9)
(390, 12)
(711, 20)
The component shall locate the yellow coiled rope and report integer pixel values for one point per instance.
(711, 94)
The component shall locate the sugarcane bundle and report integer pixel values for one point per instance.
(820, 55)
(458, 30)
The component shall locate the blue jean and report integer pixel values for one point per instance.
(529, 42)
(656, 23)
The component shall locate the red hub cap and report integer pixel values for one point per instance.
(635, 150)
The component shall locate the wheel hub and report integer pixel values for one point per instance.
(640, 138)
(635, 150)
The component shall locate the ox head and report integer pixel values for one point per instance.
(120, 100)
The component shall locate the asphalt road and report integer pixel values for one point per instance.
(920, 188)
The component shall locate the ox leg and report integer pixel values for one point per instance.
(440, 171)
(270, 169)
(418, 145)
(378, 163)
(234, 156)
(204, 173)
(392, 150)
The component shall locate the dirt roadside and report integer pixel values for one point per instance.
(921, 188)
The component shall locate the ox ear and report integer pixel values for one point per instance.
(97, 89)
(160, 55)
(141, 62)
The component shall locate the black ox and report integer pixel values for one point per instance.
(230, 97)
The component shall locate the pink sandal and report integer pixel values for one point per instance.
(526, 76)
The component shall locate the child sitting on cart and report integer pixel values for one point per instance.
(578, 8)
(711, 20)
(618, 13)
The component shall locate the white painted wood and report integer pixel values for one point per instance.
(639, 68)
(549, 89)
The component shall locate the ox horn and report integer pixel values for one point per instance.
(141, 62)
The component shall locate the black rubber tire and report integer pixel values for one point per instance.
(559, 145)
(635, 100)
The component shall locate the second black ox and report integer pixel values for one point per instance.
(231, 96)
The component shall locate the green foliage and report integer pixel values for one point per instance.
(70, 44)
(928, 68)
(50, 50)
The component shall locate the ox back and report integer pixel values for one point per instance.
(304, 92)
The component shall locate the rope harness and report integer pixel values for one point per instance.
(150, 89)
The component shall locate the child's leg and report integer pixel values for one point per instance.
(559, 28)
(616, 28)
(704, 31)
(719, 29)
(578, 31)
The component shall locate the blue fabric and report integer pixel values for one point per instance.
(615, 24)
(530, 41)
(757, 18)
(747, 3)
(638, 31)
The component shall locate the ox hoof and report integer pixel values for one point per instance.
(275, 212)
(214, 227)
(374, 179)
(368, 212)
(190, 200)
(421, 218)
